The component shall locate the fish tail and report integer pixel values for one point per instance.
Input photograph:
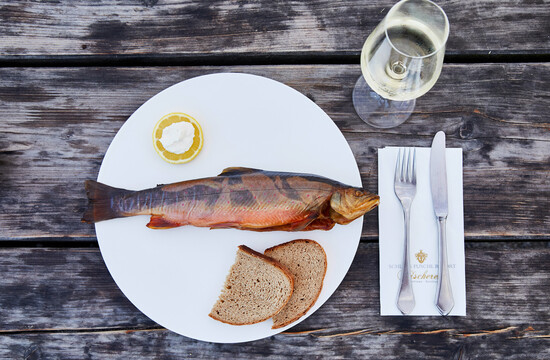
(100, 204)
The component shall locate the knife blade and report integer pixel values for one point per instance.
(438, 184)
(438, 175)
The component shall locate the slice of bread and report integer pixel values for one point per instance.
(256, 288)
(307, 262)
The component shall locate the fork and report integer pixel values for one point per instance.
(405, 189)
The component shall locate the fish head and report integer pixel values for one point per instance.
(347, 204)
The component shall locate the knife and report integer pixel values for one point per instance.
(438, 184)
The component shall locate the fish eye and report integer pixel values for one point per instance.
(358, 193)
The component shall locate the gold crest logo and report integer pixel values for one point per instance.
(421, 256)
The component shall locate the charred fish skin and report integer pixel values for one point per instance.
(242, 198)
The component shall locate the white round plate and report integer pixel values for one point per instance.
(175, 276)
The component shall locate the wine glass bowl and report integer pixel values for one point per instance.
(401, 60)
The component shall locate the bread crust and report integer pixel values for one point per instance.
(299, 315)
(273, 262)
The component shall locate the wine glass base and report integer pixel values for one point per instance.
(377, 111)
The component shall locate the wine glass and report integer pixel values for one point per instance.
(401, 60)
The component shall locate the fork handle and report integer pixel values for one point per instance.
(444, 293)
(405, 297)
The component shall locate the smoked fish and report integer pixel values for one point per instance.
(241, 198)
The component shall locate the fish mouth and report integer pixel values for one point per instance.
(367, 205)
(372, 202)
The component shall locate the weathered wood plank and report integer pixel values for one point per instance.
(194, 27)
(161, 344)
(62, 303)
(60, 289)
(58, 122)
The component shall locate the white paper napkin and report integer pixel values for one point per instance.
(424, 235)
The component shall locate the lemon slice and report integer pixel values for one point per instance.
(193, 150)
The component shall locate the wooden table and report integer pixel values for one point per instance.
(72, 72)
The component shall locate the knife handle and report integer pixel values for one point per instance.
(444, 294)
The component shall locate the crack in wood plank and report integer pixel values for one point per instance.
(528, 333)
(113, 330)
(488, 332)
(526, 336)
(451, 332)
(305, 332)
(356, 332)
(429, 332)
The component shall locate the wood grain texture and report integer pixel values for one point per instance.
(194, 27)
(58, 123)
(62, 303)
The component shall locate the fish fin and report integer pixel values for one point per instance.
(238, 171)
(300, 225)
(320, 224)
(227, 225)
(100, 198)
(287, 227)
(159, 222)
(303, 224)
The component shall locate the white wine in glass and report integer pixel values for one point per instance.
(401, 60)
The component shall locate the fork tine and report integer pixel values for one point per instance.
(405, 168)
(397, 176)
(414, 167)
(410, 163)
